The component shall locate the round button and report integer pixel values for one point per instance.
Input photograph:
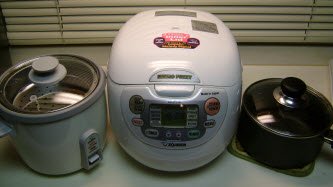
(168, 134)
(212, 106)
(136, 104)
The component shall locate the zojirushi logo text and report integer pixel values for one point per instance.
(174, 144)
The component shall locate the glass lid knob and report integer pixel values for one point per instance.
(291, 92)
(293, 87)
(47, 71)
(45, 65)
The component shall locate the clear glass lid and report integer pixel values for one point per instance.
(47, 84)
(288, 107)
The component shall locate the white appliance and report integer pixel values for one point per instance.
(54, 110)
(174, 85)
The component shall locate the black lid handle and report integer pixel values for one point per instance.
(293, 87)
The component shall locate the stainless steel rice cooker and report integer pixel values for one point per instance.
(54, 109)
(174, 88)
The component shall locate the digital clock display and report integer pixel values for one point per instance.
(173, 116)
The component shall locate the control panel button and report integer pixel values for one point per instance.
(137, 122)
(151, 133)
(155, 116)
(136, 104)
(209, 123)
(155, 123)
(94, 159)
(212, 106)
(90, 147)
(193, 133)
(168, 134)
(192, 109)
(178, 134)
(191, 124)
(193, 116)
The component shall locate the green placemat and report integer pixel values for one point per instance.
(237, 150)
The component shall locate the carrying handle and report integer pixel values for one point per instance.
(5, 129)
(328, 138)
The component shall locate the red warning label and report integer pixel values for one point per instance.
(176, 40)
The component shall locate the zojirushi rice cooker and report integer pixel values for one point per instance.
(174, 85)
(54, 109)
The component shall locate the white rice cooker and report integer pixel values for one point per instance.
(54, 109)
(174, 85)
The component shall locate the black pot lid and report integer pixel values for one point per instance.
(288, 107)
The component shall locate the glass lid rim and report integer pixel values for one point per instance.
(279, 133)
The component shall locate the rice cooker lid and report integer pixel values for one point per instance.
(137, 56)
(288, 107)
(47, 84)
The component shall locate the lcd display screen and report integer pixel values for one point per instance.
(174, 116)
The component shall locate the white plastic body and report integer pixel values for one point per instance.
(135, 61)
(54, 148)
(173, 159)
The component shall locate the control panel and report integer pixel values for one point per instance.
(91, 150)
(174, 122)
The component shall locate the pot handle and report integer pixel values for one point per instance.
(4, 128)
(328, 138)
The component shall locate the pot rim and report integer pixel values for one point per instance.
(258, 123)
(12, 116)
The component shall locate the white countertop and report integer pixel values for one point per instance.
(118, 169)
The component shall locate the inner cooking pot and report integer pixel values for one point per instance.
(47, 86)
(283, 122)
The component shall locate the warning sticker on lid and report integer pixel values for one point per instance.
(176, 40)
